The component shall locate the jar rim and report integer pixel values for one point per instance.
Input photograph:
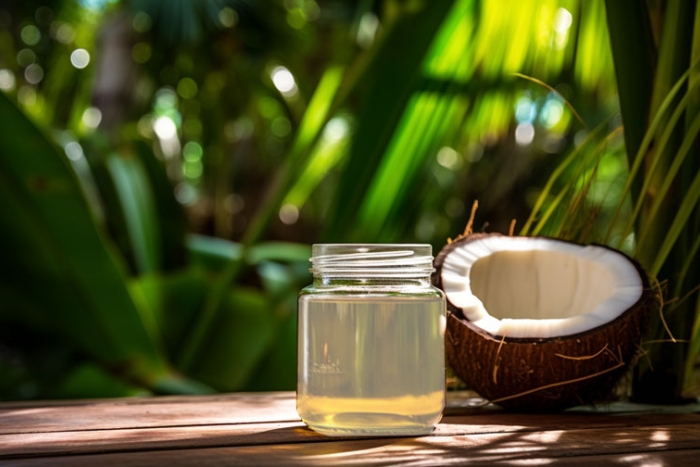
(375, 260)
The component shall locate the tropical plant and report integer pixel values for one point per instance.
(91, 221)
(253, 121)
(654, 213)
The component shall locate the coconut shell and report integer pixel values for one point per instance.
(532, 374)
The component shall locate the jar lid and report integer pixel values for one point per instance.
(375, 260)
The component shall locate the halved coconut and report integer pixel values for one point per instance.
(537, 323)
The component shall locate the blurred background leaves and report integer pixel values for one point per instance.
(165, 165)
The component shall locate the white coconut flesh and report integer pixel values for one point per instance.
(537, 287)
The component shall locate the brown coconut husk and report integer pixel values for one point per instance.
(545, 374)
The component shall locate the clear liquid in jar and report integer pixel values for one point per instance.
(371, 365)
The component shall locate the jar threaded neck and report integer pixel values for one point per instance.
(372, 260)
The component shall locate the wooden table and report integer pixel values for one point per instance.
(263, 429)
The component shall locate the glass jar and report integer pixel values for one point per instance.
(371, 329)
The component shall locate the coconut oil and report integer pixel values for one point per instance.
(371, 348)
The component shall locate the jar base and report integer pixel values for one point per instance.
(369, 424)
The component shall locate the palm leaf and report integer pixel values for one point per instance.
(396, 69)
(135, 198)
(633, 49)
(59, 262)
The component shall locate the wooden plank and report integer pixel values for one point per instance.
(149, 400)
(516, 425)
(183, 411)
(125, 413)
(253, 419)
(680, 458)
(663, 445)
(122, 440)
(264, 429)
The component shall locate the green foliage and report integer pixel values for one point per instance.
(84, 297)
(166, 230)
(55, 246)
(396, 67)
(655, 213)
(633, 66)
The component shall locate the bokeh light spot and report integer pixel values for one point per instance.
(193, 169)
(30, 35)
(283, 80)
(33, 74)
(73, 150)
(141, 52)
(562, 23)
(336, 129)
(185, 193)
(234, 203)
(367, 30)
(26, 57)
(448, 157)
(64, 32)
(7, 80)
(524, 134)
(166, 100)
(92, 116)
(562, 20)
(525, 110)
(164, 127)
(27, 95)
(192, 151)
(289, 214)
(141, 22)
(552, 112)
(80, 58)
(228, 17)
(187, 88)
